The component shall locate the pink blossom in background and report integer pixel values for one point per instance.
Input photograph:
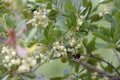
(22, 52)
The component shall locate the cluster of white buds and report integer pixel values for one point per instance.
(72, 42)
(11, 59)
(59, 47)
(74, 45)
(44, 58)
(79, 22)
(40, 18)
(27, 64)
(69, 35)
(106, 10)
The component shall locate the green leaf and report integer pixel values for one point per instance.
(66, 76)
(85, 25)
(69, 7)
(1, 73)
(19, 25)
(96, 8)
(92, 61)
(40, 36)
(105, 31)
(117, 16)
(9, 20)
(30, 76)
(32, 34)
(88, 5)
(116, 36)
(62, 27)
(95, 18)
(105, 1)
(2, 29)
(109, 69)
(49, 6)
(91, 45)
(56, 78)
(118, 49)
(101, 36)
(73, 19)
(51, 34)
(4, 10)
(52, 15)
(111, 46)
(41, 1)
(110, 18)
(117, 3)
(77, 67)
(6, 77)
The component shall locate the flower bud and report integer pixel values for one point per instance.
(13, 61)
(13, 53)
(33, 63)
(7, 58)
(63, 59)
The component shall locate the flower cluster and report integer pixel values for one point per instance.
(60, 48)
(40, 17)
(23, 64)
(79, 22)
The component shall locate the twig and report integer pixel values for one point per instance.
(100, 72)
(85, 74)
(91, 55)
(37, 66)
(106, 63)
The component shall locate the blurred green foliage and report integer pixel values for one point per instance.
(94, 25)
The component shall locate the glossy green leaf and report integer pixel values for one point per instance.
(49, 6)
(111, 19)
(20, 24)
(39, 36)
(105, 1)
(95, 18)
(91, 44)
(73, 19)
(56, 78)
(53, 14)
(85, 25)
(9, 20)
(116, 36)
(117, 16)
(117, 49)
(117, 3)
(69, 7)
(2, 29)
(105, 31)
(32, 34)
(101, 36)
(77, 67)
(95, 8)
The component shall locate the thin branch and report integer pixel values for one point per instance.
(100, 72)
(106, 63)
(37, 66)
(91, 55)
(86, 74)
